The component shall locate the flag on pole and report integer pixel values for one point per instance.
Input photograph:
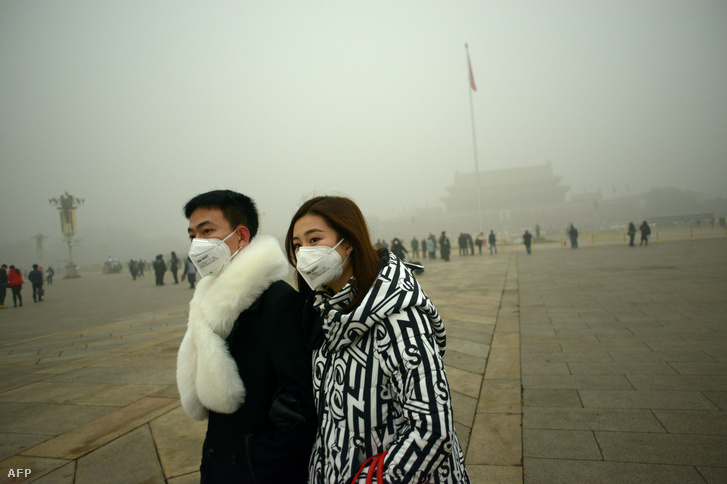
(472, 76)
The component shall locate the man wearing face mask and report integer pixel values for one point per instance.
(242, 363)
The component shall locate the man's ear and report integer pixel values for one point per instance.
(244, 234)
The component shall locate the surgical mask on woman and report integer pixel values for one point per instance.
(319, 265)
(210, 256)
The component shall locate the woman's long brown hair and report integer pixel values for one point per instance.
(344, 216)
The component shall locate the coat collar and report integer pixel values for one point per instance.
(394, 290)
(220, 299)
(207, 374)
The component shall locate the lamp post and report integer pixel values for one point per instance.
(67, 205)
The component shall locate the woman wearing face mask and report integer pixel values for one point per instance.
(381, 392)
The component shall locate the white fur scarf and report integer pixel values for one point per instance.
(207, 375)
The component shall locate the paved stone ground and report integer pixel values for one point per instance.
(624, 362)
(605, 364)
(92, 300)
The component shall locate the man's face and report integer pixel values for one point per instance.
(210, 223)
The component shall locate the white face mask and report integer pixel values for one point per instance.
(210, 256)
(320, 265)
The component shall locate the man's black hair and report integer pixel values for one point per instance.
(238, 209)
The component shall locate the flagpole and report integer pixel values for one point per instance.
(472, 87)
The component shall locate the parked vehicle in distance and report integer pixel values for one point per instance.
(111, 265)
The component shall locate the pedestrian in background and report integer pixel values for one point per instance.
(191, 272)
(444, 246)
(462, 243)
(398, 248)
(492, 239)
(36, 279)
(414, 247)
(527, 240)
(480, 241)
(174, 266)
(632, 233)
(573, 233)
(160, 267)
(3, 285)
(645, 231)
(133, 269)
(15, 281)
(49, 275)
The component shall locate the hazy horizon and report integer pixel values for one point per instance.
(137, 106)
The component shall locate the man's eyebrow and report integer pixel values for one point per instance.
(197, 227)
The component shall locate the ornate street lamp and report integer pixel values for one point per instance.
(67, 205)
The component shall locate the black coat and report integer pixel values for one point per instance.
(267, 344)
(36, 277)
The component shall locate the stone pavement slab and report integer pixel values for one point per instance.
(177, 440)
(85, 438)
(600, 472)
(671, 448)
(560, 444)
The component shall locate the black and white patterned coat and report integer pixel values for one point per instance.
(380, 385)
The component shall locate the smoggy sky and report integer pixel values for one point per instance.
(136, 106)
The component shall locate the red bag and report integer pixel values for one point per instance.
(375, 463)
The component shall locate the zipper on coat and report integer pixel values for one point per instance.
(321, 389)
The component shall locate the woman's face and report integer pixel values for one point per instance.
(312, 230)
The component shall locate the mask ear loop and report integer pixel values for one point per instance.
(228, 261)
(238, 250)
(231, 234)
(339, 243)
(336, 246)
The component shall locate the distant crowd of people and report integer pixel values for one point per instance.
(11, 277)
(428, 246)
(159, 265)
(644, 228)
